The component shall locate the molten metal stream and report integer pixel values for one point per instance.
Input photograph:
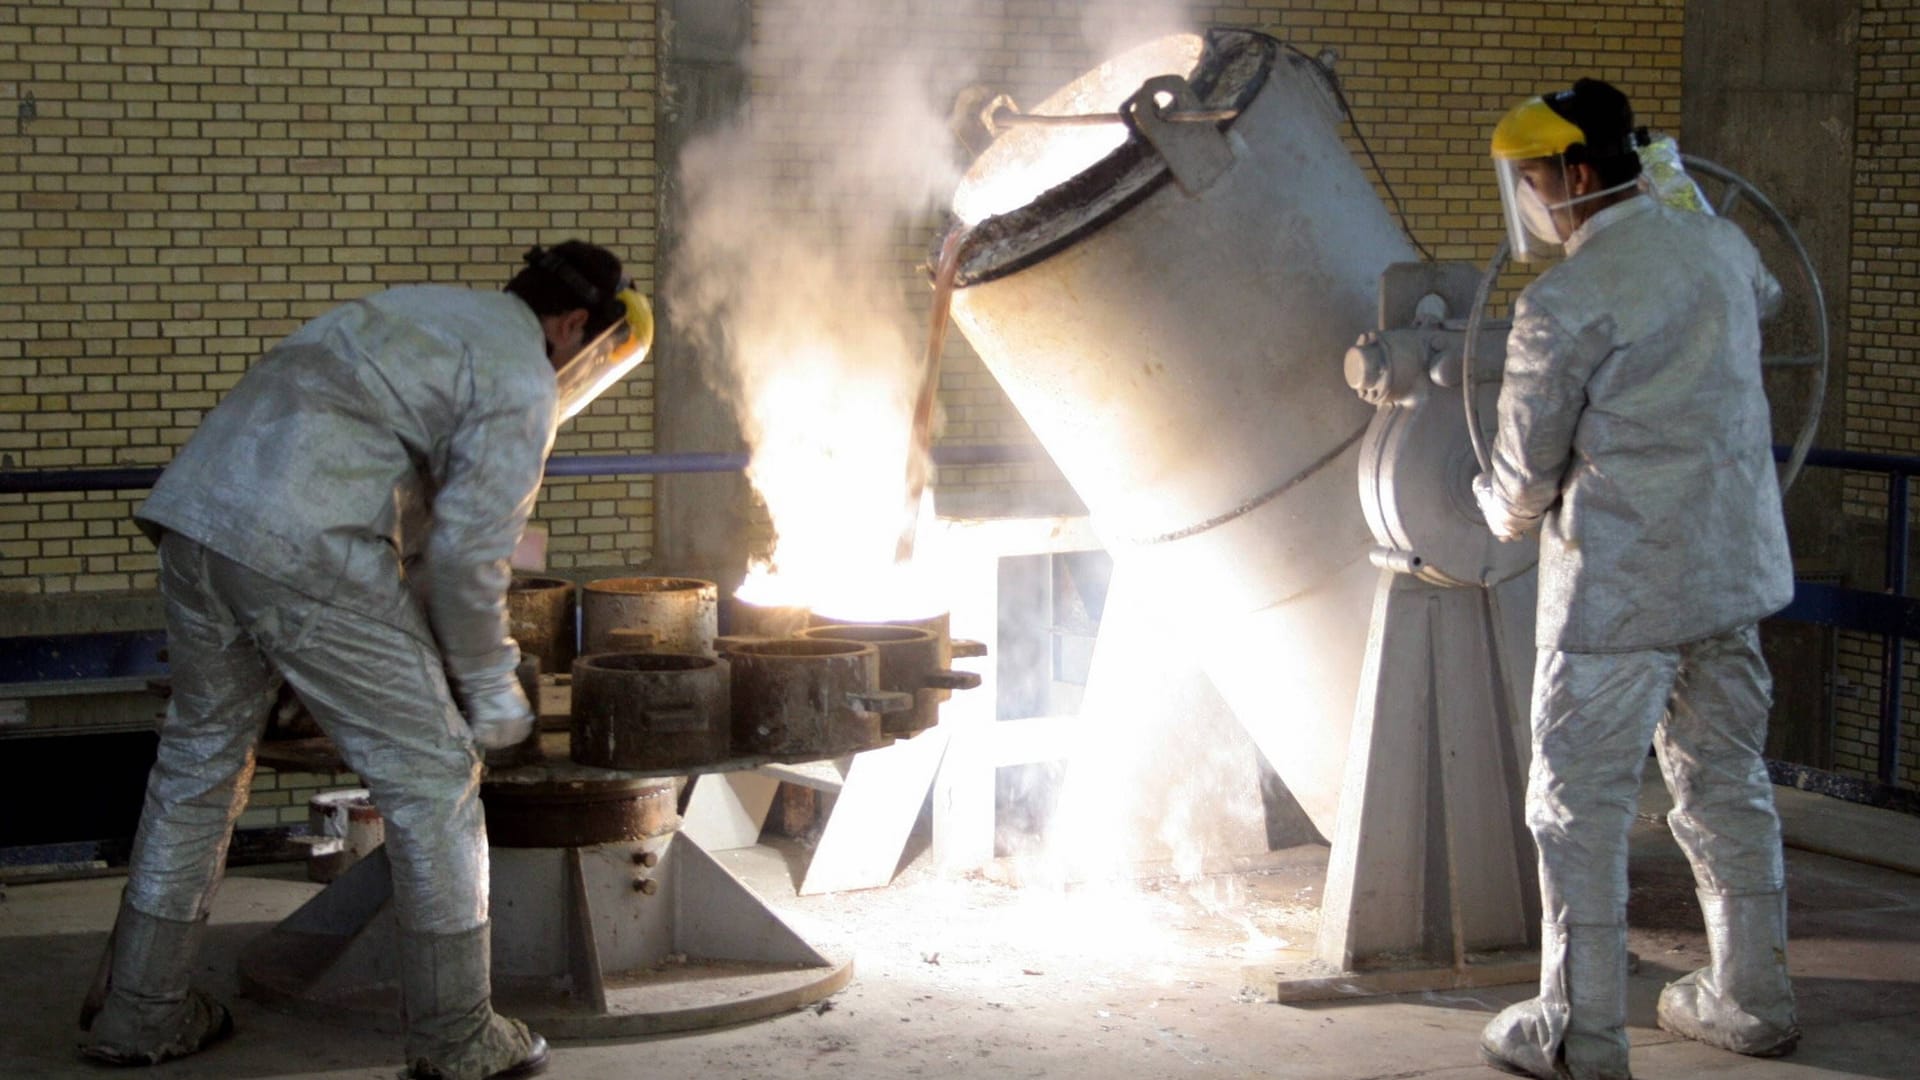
(920, 449)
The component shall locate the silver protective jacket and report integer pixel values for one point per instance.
(1634, 425)
(401, 434)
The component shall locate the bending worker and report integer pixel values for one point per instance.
(1635, 436)
(414, 422)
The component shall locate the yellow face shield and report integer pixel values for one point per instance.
(607, 358)
(1529, 159)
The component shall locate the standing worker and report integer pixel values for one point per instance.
(1634, 433)
(343, 521)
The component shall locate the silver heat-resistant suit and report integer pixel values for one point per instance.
(343, 519)
(1635, 432)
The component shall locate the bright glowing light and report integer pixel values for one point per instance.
(826, 399)
(830, 438)
(1030, 159)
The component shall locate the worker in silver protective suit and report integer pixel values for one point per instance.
(1635, 436)
(415, 420)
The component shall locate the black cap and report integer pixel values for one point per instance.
(570, 275)
(1602, 114)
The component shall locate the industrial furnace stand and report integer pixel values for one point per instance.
(606, 921)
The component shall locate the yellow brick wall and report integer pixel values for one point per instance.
(1883, 370)
(280, 799)
(1856, 728)
(200, 177)
(196, 179)
(1427, 80)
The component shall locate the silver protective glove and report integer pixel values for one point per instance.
(1501, 520)
(496, 708)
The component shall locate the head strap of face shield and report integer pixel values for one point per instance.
(1581, 153)
(547, 261)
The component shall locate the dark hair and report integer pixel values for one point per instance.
(1605, 119)
(572, 275)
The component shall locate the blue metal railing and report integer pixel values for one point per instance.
(135, 478)
(1890, 613)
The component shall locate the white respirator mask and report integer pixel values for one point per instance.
(1533, 224)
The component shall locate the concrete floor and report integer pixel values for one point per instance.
(969, 977)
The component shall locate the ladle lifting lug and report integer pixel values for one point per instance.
(952, 680)
(1196, 154)
(881, 701)
(968, 649)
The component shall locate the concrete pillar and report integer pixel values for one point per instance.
(1768, 91)
(700, 519)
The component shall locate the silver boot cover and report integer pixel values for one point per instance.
(1576, 1028)
(452, 1030)
(1743, 1000)
(151, 1014)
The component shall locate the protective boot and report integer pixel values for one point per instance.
(1577, 1028)
(148, 1013)
(1742, 1001)
(452, 1031)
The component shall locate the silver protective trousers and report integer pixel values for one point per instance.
(378, 691)
(1704, 707)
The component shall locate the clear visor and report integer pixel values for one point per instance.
(1535, 218)
(606, 359)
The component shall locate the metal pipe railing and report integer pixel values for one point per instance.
(1898, 470)
(1893, 647)
(135, 478)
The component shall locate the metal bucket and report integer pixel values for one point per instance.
(647, 711)
(682, 614)
(937, 625)
(799, 699)
(909, 663)
(1176, 339)
(540, 616)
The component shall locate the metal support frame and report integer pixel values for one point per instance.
(614, 940)
(878, 794)
(1893, 646)
(1430, 881)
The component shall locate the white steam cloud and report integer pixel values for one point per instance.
(799, 246)
(800, 273)
(807, 223)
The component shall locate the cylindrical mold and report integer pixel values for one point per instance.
(647, 711)
(1175, 336)
(727, 644)
(795, 699)
(748, 619)
(683, 614)
(540, 616)
(909, 661)
(937, 625)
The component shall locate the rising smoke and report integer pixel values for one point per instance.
(795, 274)
(800, 274)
